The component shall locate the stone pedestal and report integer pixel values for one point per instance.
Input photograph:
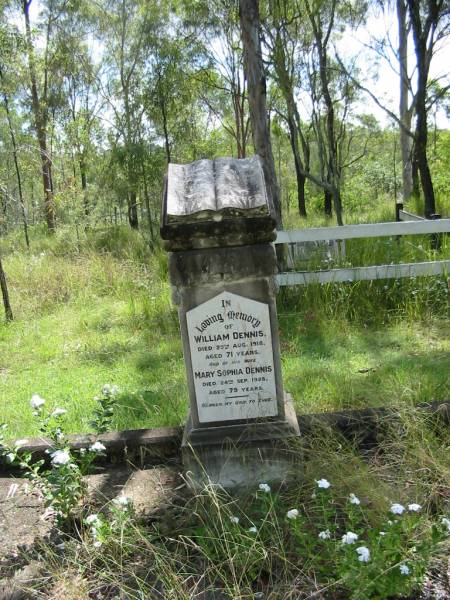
(240, 422)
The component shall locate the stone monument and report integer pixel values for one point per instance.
(217, 223)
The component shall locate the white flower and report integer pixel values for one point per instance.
(323, 483)
(397, 509)
(354, 499)
(234, 520)
(122, 501)
(292, 514)
(349, 537)
(382, 533)
(414, 507)
(97, 544)
(252, 529)
(36, 402)
(60, 457)
(114, 390)
(106, 389)
(19, 443)
(363, 554)
(97, 447)
(92, 519)
(58, 412)
(264, 487)
(10, 457)
(404, 570)
(446, 522)
(325, 535)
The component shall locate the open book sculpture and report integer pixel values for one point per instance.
(224, 199)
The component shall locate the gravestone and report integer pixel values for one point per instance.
(218, 225)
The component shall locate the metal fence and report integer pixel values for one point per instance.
(348, 232)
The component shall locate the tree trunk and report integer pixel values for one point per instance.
(166, 132)
(405, 111)
(285, 83)
(40, 124)
(337, 202)
(327, 203)
(301, 179)
(82, 164)
(321, 41)
(421, 139)
(16, 165)
(415, 174)
(133, 218)
(253, 64)
(147, 203)
(423, 28)
(5, 294)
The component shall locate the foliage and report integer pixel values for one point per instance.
(347, 526)
(126, 86)
(62, 487)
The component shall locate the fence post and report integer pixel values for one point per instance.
(435, 237)
(398, 208)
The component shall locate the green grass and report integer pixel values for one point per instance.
(192, 542)
(102, 314)
(335, 365)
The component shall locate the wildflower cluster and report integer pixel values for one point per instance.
(333, 534)
(61, 486)
(374, 562)
(109, 529)
(103, 414)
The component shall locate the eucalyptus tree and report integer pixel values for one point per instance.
(254, 71)
(322, 17)
(81, 114)
(429, 24)
(5, 294)
(220, 70)
(426, 24)
(285, 37)
(39, 87)
(10, 44)
(406, 107)
(172, 91)
(128, 29)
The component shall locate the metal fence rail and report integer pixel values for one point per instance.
(346, 232)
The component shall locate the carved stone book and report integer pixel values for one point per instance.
(214, 189)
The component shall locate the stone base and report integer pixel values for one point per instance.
(244, 455)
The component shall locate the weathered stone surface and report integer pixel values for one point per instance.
(242, 456)
(231, 352)
(225, 290)
(22, 515)
(220, 203)
(24, 520)
(248, 291)
(148, 489)
(204, 187)
(222, 265)
(141, 447)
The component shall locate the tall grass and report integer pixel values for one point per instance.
(244, 546)
(96, 307)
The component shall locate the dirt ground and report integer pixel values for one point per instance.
(24, 520)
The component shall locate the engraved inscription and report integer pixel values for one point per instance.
(232, 359)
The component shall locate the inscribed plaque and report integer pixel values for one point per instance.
(232, 359)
